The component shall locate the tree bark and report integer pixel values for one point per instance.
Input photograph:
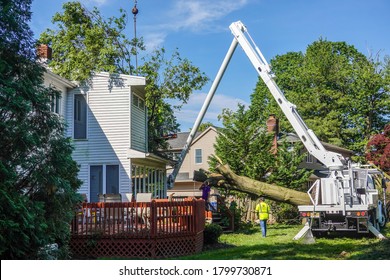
(227, 178)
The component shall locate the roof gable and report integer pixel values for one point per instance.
(180, 141)
(204, 133)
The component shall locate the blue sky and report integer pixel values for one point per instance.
(200, 31)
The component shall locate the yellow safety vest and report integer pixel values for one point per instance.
(263, 209)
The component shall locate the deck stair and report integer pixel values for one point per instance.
(217, 218)
(219, 214)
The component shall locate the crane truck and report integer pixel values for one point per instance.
(347, 199)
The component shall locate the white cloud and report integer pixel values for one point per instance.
(154, 40)
(189, 112)
(97, 3)
(197, 15)
(194, 16)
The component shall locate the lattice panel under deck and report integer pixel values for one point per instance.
(175, 247)
(137, 248)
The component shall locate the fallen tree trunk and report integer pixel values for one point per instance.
(227, 178)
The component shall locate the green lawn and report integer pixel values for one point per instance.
(278, 245)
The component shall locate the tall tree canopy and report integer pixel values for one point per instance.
(38, 178)
(204, 126)
(167, 78)
(84, 42)
(340, 93)
(246, 146)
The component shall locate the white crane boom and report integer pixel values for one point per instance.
(330, 159)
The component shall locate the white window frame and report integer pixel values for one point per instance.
(138, 101)
(55, 104)
(196, 156)
(74, 117)
(309, 158)
(104, 177)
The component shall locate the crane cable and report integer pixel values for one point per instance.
(135, 12)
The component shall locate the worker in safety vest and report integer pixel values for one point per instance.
(263, 210)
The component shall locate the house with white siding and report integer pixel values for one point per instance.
(107, 120)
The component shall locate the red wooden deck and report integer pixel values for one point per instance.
(156, 229)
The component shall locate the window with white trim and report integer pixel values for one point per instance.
(104, 179)
(55, 103)
(138, 102)
(80, 117)
(198, 156)
(309, 158)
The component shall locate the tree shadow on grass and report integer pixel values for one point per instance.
(298, 251)
(278, 245)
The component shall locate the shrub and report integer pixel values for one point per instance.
(211, 233)
(285, 213)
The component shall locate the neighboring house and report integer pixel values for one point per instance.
(197, 158)
(311, 162)
(107, 119)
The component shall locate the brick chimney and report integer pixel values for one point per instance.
(273, 127)
(44, 52)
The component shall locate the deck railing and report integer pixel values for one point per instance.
(158, 218)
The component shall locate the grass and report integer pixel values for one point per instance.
(278, 245)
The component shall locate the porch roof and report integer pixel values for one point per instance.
(134, 154)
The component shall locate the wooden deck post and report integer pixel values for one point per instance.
(153, 219)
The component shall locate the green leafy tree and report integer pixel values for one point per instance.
(167, 79)
(340, 93)
(244, 144)
(286, 170)
(85, 43)
(204, 126)
(247, 147)
(38, 178)
(262, 103)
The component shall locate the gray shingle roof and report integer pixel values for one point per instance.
(292, 137)
(181, 139)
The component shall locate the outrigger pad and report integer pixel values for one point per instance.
(302, 232)
(308, 238)
(306, 234)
